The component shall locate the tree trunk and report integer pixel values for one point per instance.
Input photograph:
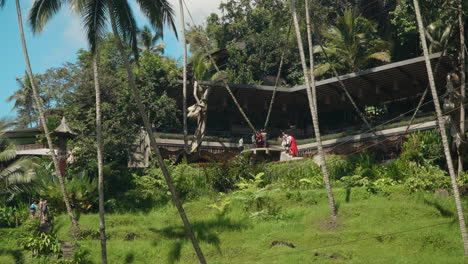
(149, 130)
(462, 86)
(100, 150)
(184, 85)
(311, 51)
(310, 85)
(443, 133)
(43, 119)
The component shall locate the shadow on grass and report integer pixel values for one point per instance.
(16, 254)
(205, 231)
(129, 258)
(443, 211)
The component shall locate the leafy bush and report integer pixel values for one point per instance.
(222, 177)
(424, 147)
(81, 188)
(298, 174)
(425, 177)
(190, 182)
(14, 216)
(41, 244)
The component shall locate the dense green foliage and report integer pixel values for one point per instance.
(356, 34)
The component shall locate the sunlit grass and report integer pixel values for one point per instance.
(235, 237)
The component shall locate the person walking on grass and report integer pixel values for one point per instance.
(33, 209)
(44, 212)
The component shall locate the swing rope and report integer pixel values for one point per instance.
(277, 77)
(343, 87)
(423, 96)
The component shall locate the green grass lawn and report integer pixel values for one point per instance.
(300, 218)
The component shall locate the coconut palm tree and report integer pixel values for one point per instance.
(438, 34)
(441, 123)
(121, 23)
(352, 44)
(184, 78)
(40, 109)
(24, 101)
(124, 26)
(15, 173)
(147, 41)
(310, 85)
(93, 15)
(461, 59)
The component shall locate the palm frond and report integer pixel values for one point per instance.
(321, 69)
(2, 3)
(126, 24)
(94, 14)
(8, 154)
(41, 12)
(381, 56)
(160, 13)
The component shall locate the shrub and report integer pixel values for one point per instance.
(41, 244)
(189, 181)
(298, 174)
(223, 177)
(424, 147)
(425, 177)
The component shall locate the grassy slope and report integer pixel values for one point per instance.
(236, 238)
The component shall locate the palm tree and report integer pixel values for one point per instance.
(96, 12)
(24, 101)
(352, 44)
(100, 150)
(15, 173)
(443, 133)
(184, 78)
(438, 34)
(310, 85)
(159, 12)
(93, 14)
(41, 113)
(462, 81)
(147, 41)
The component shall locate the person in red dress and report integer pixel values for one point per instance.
(259, 140)
(293, 147)
(290, 143)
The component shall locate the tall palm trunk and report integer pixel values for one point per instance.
(100, 150)
(43, 119)
(441, 123)
(311, 51)
(310, 85)
(149, 130)
(184, 85)
(462, 85)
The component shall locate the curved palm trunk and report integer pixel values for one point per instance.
(310, 85)
(43, 119)
(462, 85)
(149, 130)
(441, 123)
(102, 223)
(184, 85)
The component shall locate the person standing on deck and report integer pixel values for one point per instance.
(260, 143)
(292, 146)
(264, 138)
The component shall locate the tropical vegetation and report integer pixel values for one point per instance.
(344, 209)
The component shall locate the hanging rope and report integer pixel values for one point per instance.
(277, 77)
(423, 96)
(343, 87)
(226, 85)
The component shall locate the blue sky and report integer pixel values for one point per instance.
(60, 40)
